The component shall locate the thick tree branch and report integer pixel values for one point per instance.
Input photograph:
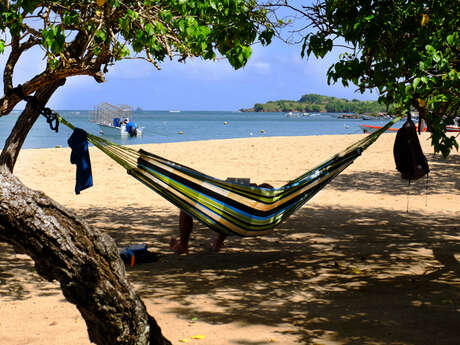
(85, 261)
(8, 102)
(9, 67)
(23, 125)
(17, 49)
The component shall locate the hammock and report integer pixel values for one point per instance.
(228, 207)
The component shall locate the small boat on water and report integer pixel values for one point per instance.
(453, 129)
(115, 120)
(370, 129)
(348, 116)
(293, 114)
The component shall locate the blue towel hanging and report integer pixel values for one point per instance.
(78, 142)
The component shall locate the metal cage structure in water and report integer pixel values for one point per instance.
(104, 113)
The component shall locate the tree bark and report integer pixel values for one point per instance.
(85, 261)
(23, 125)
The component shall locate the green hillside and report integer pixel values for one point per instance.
(318, 103)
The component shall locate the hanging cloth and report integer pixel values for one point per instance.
(78, 142)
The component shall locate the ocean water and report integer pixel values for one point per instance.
(167, 127)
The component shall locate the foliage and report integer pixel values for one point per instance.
(320, 103)
(408, 50)
(84, 37)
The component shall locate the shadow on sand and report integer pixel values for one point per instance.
(355, 276)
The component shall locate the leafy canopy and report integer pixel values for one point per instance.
(408, 50)
(83, 37)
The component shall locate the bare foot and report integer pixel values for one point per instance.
(178, 247)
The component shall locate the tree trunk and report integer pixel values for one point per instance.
(23, 125)
(85, 261)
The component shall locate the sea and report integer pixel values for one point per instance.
(178, 126)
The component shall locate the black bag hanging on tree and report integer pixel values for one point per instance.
(409, 158)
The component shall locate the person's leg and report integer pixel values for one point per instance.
(218, 243)
(185, 229)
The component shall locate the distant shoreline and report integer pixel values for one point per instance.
(319, 103)
(161, 127)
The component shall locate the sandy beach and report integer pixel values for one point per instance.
(369, 260)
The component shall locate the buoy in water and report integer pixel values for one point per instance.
(262, 131)
(180, 132)
(225, 122)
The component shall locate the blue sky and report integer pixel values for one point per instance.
(273, 72)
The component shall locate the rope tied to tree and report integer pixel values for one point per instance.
(52, 118)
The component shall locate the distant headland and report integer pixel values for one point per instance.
(319, 103)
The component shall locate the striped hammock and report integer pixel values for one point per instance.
(224, 206)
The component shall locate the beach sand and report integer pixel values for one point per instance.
(369, 260)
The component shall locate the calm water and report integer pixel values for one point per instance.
(165, 127)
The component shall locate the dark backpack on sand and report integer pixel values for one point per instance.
(409, 158)
(136, 254)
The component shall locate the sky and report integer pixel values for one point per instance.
(272, 73)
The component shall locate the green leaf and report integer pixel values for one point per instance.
(266, 36)
(181, 26)
(2, 46)
(149, 29)
(53, 39)
(166, 15)
(125, 25)
(452, 75)
(416, 82)
(429, 48)
(246, 52)
(124, 51)
(304, 45)
(191, 31)
(100, 36)
(97, 51)
(212, 4)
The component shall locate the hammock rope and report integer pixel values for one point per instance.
(228, 207)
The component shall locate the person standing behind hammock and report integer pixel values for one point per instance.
(186, 227)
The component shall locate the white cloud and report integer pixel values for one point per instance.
(198, 68)
(262, 68)
(131, 69)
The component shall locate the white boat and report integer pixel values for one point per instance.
(293, 114)
(115, 120)
(121, 130)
